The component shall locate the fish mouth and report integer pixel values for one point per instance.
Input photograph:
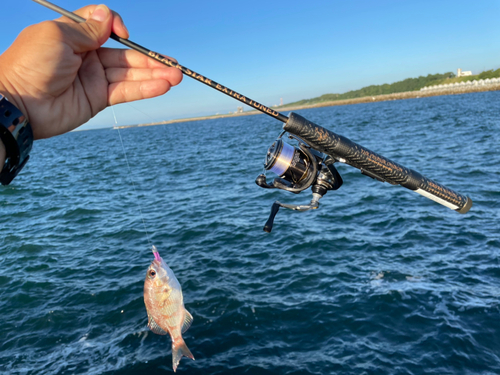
(156, 254)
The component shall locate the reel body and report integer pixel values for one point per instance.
(298, 167)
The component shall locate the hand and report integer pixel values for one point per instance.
(58, 75)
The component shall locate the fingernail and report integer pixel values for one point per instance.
(100, 13)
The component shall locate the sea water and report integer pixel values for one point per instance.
(378, 280)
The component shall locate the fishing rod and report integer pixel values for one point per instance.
(169, 62)
(310, 161)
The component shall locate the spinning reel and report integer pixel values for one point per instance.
(298, 167)
(311, 164)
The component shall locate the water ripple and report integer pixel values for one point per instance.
(377, 281)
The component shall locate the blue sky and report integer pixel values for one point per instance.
(293, 50)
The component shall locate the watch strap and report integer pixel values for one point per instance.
(17, 137)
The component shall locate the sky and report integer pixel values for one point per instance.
(291, 50)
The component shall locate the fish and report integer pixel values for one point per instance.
(165, 307)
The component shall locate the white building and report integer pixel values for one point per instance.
(464, 73)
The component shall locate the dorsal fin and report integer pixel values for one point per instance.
(188, 319)
(155, 327)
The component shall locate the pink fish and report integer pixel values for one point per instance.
(165, 307)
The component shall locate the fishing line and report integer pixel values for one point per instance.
(131, 179)
(144, 113)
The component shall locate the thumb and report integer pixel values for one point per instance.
(97, 30)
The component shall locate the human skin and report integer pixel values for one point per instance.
(59, 76)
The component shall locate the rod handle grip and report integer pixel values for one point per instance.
(373, 164)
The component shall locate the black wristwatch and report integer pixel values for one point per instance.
(17, 137)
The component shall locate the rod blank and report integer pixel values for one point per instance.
(167, 61)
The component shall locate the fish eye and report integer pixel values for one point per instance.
(152, 273)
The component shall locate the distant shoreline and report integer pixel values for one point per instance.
(366, 99)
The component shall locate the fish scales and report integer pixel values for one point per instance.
(165, 307)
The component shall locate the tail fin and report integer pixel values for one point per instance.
(180, 349)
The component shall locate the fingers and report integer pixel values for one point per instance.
(126, 58)
(123, 92)
(82, 12)
(134, 76)
(128, 65)
(118, 26)
(115, 75)
(130, 74)
(95, 31)
(89, 35)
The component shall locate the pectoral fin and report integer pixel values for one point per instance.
(188, 319)
(155, 327)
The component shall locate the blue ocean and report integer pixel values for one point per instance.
(378, 280)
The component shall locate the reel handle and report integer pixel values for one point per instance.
(268, 227)
(374, 165)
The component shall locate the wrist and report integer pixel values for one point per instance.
(7, 90)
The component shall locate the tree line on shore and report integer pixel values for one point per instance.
(409, 84)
